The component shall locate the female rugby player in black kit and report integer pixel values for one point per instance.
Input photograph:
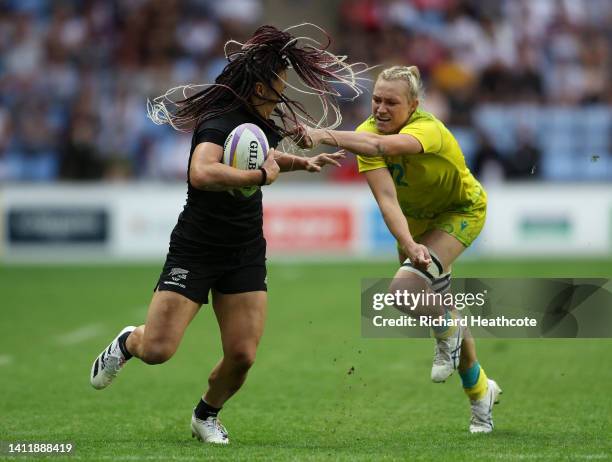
(218, 244)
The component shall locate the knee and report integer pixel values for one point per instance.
(405, 281)
(241, 358)
(401, 286)
(157, 353)
(397, 285)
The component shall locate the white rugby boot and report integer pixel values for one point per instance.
(209, 431)
(482, 409)
(446, 356)
(108, 364)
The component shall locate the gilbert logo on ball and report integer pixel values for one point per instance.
(246, 148)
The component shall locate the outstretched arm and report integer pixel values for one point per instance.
(363, 143)
(383, 188)
(289, 162)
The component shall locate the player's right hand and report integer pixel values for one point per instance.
(302, 137)
(271, 167)
(418, 255)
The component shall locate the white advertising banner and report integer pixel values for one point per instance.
(548, 220)
(134, 221)
(143, 220)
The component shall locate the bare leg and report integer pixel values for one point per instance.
(468, 351)
(448, 249)
(481, 391)
(241, 319)
(157, 340)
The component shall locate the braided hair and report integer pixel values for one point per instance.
(261, 59)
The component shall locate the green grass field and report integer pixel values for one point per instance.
(300, 402)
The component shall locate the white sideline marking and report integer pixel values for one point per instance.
(80, 335)
(5, 360)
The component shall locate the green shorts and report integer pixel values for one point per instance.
(464, 225)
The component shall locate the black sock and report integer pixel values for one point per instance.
(204, 410)
(122, 346)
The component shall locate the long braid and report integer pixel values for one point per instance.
(268, 52)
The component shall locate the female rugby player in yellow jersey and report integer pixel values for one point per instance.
(432, 205)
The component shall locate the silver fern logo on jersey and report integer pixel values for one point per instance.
(178, 274)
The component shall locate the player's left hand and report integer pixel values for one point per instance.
(315, 163)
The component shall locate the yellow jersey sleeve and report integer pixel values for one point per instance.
(427, 132)
(366, 163)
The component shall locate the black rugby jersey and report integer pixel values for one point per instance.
(217, 222)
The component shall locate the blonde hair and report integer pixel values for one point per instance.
(409, 74)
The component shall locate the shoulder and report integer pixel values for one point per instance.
(425, 127)
(225, 122)
(422, 121)
(421, 117)
(268, 127)
(215, 129)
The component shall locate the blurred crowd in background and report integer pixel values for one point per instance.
(523, 84)
(75, 75)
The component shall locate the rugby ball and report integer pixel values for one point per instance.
(246, 148)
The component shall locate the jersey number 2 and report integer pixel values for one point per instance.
(397, 173)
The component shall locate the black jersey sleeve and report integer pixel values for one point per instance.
(209, 135)
(273, 137)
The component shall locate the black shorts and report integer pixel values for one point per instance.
(230, 273)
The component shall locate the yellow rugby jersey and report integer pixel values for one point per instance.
(434, 181)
